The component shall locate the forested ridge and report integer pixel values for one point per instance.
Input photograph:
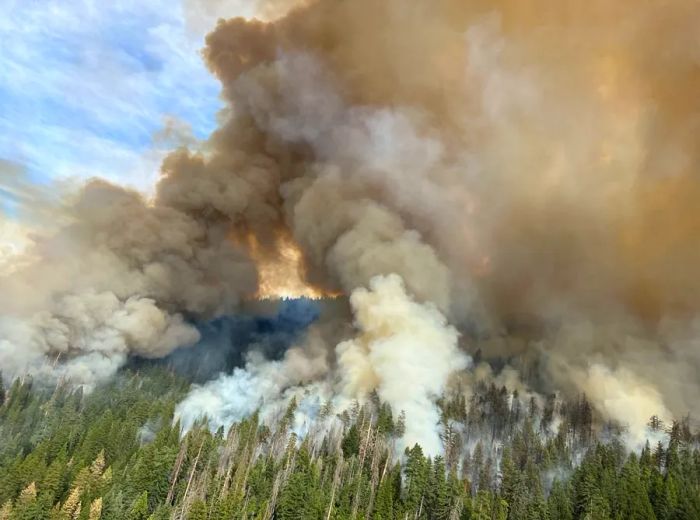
(118, 453)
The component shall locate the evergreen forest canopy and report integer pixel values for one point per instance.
(117, 453)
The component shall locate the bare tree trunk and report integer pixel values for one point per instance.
(420, 508)
(336, 479)
(457, 510)
(272, 503)
(363, 452)
(176, 472)
(189, 480)
(227, 461)
(374, 468)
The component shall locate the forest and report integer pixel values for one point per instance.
(252, 251)
(118, 452)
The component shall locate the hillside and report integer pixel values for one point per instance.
(116, 453)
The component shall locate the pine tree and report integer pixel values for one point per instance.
(476, 463)
(385, 420)
(162, 513)
(416, 471)
(400, 428)
(633, 501)
(95, 509)
(53, 484)
(6, 511)
(26, 505)
(139, 508)
(384, 503)
(198, 510)
(298, 499)
(288, 418)
(483, 508)
(351, 442)
(439, 496)
(72, 506)
(559, 503)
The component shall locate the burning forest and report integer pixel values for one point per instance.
(433, 254)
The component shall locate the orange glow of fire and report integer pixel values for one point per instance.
(280, 273)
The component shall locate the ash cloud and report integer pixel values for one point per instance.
(510, 165)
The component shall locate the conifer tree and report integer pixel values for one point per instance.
(198, 510)
(115, 454)
(384, 503)
(139, 508)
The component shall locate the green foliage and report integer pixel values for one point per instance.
(139, 508)
(116, 453)
(351, 442)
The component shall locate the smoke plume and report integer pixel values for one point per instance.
(115, 282)
(405, 352)
(482, 163)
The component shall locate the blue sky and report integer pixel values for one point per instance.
(84, 87)
(85, 84)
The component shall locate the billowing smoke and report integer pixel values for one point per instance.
(486, 164)
(622, 396)
(115, 282)
(405, 352)
(266, 386)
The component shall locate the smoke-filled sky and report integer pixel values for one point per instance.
(449, 166)
(100, 89)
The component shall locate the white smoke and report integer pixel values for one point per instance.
(262, 385)
(93, 333)
(111, 284)
(405, 351)
(621, 396)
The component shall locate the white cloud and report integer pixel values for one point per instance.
(85, 84)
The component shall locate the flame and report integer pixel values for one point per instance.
(281, 270)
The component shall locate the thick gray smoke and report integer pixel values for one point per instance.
(505, 177)
(480, 163)
(114, 283)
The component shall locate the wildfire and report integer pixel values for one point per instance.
(280, 273)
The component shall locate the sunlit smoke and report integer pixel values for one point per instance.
(13, 243)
